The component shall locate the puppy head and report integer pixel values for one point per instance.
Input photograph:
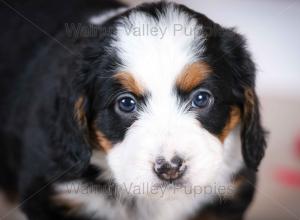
(168, 89)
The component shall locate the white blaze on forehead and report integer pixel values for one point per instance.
(155, 51)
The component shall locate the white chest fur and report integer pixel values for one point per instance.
(93, 202)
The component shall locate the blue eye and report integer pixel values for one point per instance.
(126, 104)
(201, 99)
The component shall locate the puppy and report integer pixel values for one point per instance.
(153, 117)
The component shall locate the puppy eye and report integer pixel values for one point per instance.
(202, 99)
(126, 103)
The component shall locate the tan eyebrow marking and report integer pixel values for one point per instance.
(192, 76)
(130, 83)
(232, 122)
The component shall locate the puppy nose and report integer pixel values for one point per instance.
(169, 170)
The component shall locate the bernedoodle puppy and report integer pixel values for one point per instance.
(119, 113)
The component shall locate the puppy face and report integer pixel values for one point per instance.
(168, 100)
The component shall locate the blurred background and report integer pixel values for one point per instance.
(272, 28)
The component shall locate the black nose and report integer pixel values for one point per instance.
(169, 170)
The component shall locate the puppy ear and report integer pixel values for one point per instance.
(252, 133)
(244, 71)
(71, 149)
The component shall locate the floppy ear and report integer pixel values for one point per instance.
(70, 147)
(252, 133)
(240, 62)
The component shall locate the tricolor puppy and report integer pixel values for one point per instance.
(154, 118)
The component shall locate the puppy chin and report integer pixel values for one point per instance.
(164, 190)
(158, 190)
